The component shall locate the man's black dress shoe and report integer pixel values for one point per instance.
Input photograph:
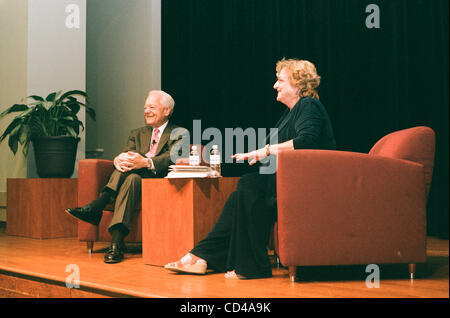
(114, 254)
(87, 214)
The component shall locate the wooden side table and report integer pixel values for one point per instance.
(35, 207)
(178, 213)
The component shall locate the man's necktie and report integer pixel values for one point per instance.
(153, 143)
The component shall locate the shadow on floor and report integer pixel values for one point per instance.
(432, 268)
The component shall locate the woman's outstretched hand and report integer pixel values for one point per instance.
(252, 157)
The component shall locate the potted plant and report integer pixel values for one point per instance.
(52, 125)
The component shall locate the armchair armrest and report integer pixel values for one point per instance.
(349, 208)
(93, 174)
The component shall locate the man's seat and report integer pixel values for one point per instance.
(93, 174)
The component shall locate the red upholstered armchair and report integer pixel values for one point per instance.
(93, 174)
(347, 208)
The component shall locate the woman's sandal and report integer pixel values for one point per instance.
(233, 275)
(185, 266)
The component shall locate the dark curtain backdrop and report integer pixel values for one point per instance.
(218, 62)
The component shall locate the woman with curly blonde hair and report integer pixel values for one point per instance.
(238, 242)
(301, 74)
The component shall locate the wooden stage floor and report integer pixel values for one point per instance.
(37, 268)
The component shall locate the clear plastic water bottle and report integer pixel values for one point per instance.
(214, 162)
(194, 157)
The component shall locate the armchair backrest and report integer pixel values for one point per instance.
(414, 144)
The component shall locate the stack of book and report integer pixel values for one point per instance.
(185, 171)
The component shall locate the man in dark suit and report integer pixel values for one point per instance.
(149, 152)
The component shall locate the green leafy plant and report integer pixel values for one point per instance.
(56, 115)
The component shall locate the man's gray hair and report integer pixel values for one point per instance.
(166, 100)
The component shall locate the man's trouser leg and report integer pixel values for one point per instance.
(127, 187)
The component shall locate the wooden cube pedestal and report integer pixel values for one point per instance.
(178, 213)
(35, 207)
